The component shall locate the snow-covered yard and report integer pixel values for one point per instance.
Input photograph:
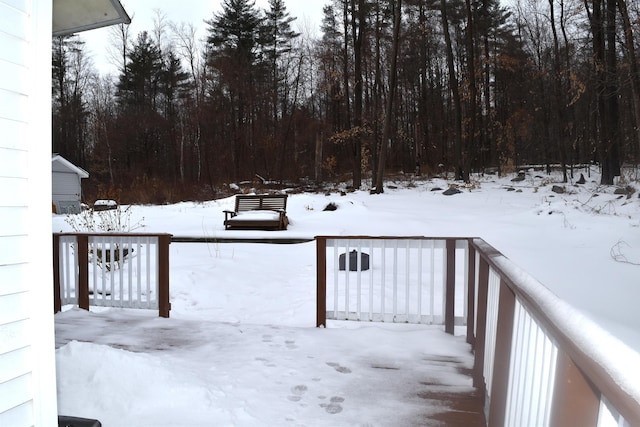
(240, 347)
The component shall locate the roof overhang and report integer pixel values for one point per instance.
(73, 16)
(70, 166)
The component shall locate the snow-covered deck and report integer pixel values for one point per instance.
(414, 375)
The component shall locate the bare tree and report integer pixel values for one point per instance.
(388, 118)
(118, 47)
(453, 84)
(633, 65)
(184, 36)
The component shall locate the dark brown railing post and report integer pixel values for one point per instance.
(450, 302)
(82, 240)
(471, 293)
(575, 402)
(321, 282)
(502, 358)
(57, 299)
(481, 326)
(164, 302)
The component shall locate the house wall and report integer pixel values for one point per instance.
(27, 355)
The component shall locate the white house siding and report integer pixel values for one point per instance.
(27, 359)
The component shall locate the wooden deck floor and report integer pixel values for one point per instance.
(435, 391)
(459, 407)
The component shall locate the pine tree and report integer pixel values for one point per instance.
(139, 83)
(233, 33)
(232, 51)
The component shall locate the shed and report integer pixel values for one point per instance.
(66, 184)
(27, 346)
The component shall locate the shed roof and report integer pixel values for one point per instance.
(67, 164)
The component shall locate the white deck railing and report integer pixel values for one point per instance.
(405, 279)
(538, 360)
(112, 270)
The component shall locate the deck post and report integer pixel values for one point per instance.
(575, 400)
(471, 294)
(321, 281)
(82, 241)
(57, 299)
(449, 313)
(164, 302)
(502, 359)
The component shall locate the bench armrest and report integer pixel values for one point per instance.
(229, 214)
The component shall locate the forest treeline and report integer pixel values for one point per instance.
(385, 86)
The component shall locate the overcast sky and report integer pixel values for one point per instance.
(308, 13)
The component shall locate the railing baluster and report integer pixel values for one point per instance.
(419, 290)
(138, 272)
(383, 274)
(129, 265)
(336, 286)
(347, 270)
(359, 280)
(407, 291)
(148, 268)
(432, 283)
(372, 261)
(395, 280)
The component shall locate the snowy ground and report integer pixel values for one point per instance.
(240, 347)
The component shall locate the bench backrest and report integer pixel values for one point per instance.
(252, 202)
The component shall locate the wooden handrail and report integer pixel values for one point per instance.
(596, 363)
(590, 363)
(82, 239)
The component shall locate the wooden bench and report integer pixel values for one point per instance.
(258, 212)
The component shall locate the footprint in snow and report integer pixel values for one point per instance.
(297, 392)
(339, 368)
(334, 406)
(291, 344)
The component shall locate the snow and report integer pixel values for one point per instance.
(257, 215)
(106, 203)
(241, 348)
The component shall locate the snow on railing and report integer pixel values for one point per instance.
(538, 360)
(125, 270)
(548, 364)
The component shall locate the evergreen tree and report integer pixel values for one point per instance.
(232, 51)
(139, 83)
(173, 84)
(233, 34)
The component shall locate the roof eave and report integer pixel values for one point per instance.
(71, 16)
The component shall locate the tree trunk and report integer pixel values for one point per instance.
(453, 84)
(633, 66)
(468, 141)
(604, 63)
(611, 92)
(388, 117)
(358, 24)
(557, 104)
